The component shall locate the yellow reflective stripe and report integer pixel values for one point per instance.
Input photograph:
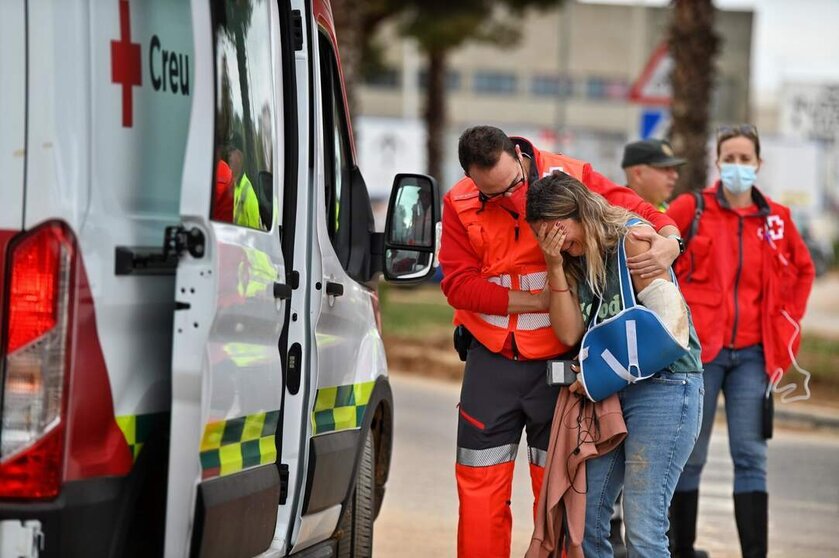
(267, 450)
(326, 398)
(253, 427)
(213, 432)
(344, 417)
(136, 429)
(231, 459)
(363, 392)
(341, 407)
(128, 425)
(239, 443)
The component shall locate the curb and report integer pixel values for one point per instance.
(788, 417)
(784, 417)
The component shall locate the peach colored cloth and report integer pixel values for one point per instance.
(580, 431)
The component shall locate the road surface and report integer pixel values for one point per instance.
(419, 516)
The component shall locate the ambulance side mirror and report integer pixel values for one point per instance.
(412, 229)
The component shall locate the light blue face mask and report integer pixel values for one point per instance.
(738, 178)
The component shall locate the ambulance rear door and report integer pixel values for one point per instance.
(231, 292)
(12, 115)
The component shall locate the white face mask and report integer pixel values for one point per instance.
(738, 179)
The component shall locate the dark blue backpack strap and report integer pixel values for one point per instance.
(627, 291)
(699, 202)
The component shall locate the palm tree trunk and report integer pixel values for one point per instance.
(694, 45)
(244, 89)
(435, 111)
(349, 19)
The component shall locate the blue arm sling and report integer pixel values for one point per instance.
(628, 347)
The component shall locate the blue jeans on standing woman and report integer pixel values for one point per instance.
(740, 374)
(662, 416)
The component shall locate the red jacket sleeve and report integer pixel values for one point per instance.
(624, 197)
(681, 211)
(463, 285)
(803, 264)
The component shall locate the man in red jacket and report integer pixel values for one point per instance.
(495, 278)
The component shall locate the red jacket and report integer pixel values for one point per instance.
(223, 193)
(465, 278)
(745, 275)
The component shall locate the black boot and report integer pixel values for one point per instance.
(682, 534)
(751, 510)
(618, 546)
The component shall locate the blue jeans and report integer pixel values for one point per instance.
(662, 416)
(740, 374)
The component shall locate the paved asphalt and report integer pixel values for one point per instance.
(419, 516)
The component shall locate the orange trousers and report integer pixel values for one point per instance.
(486, 521)
(499, 399)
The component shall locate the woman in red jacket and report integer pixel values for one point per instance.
(746, 276)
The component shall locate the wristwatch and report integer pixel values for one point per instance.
(682, 245)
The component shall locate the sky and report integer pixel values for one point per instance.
(792, 40)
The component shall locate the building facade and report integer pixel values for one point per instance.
(565, 84)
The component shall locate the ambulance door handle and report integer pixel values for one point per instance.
(282, 291)
(334, 289)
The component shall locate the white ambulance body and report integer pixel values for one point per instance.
(192, 362)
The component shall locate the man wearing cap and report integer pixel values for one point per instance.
(245, 202)
(651, 170)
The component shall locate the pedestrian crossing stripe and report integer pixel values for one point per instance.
(137, 429)
(233, 445)
(340, 407)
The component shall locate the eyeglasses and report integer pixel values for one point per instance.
(520, 180)
(727, 132)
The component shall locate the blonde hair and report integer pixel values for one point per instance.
(560, 196)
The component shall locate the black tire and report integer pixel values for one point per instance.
(356, 523)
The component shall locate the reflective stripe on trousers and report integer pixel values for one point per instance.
(500, 454)
(487, 457)
(536, 456)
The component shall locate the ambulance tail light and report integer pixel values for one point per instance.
(40, 270)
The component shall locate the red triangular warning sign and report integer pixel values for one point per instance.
(653, 87)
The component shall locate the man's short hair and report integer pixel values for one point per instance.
(481, 146)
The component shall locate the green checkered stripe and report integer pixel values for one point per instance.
(233, 445)
(340, 407)
(137, 429)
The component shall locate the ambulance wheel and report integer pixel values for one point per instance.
(356, 523)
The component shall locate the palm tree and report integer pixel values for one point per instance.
(441, 26)
(694, 45)
(235, 23)
(356, 22)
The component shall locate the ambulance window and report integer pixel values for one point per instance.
(242, 190)
(337, 154)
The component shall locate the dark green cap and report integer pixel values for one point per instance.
(654, 152)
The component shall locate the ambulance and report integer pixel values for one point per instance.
(191, 359)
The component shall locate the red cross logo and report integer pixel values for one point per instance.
(774, 228)
(125, 64)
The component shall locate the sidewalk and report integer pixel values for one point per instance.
(822, 318)
(806, 414)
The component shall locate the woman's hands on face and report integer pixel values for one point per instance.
(551, 238)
